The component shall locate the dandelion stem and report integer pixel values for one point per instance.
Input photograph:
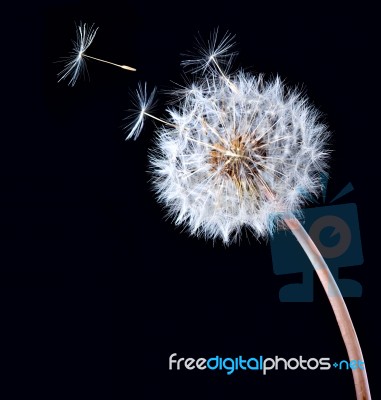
(111, 63)
(338, 305)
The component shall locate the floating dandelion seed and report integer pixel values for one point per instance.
(208, 53)
(143, 104)
(76, 63)
(237, 151)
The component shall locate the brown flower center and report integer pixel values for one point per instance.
(240, 160)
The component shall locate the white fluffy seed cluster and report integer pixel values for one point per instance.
(236, 151)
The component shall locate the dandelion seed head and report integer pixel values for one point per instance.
(235, 151)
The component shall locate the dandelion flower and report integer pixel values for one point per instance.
(76, 63)
(235, 158)
(239, 151)
(236, 151)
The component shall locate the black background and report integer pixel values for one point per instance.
(98, 289)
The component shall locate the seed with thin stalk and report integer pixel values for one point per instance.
(75, 64)
(239, 151)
